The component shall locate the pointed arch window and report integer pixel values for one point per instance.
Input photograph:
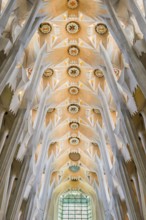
(75, 205)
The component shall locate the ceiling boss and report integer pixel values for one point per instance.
(72, 27)
(72, 4)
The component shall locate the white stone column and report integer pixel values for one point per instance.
(17, 198)
(135, 64)
(5, 15)
(136, 148)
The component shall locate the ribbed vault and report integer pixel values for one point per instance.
(72, 108)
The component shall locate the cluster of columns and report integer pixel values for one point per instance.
(20, 176)
(129, 137)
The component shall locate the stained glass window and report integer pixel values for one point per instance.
(74, 205)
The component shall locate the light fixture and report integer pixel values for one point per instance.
(73, 90)
(73, 51)
(48, 72)
(73, 71)
(74, 125)
(101, 29)
(73, 108)
(72, 4)
(72, 27)
(45, 28)
(98, 73)
(74, 141)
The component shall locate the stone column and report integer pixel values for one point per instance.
(136, 148)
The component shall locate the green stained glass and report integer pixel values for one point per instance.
(74, 205)
(74, 168)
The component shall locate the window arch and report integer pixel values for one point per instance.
(74, 205)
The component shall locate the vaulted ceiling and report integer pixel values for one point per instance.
(62, 67)
(73, 36)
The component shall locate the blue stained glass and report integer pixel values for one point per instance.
(74, 168)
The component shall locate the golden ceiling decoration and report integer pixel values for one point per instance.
(73, 71)
(101, 29)
(45, 28)
(74, 125)
(48, 72)
(53, 87)
(74, 156)
(73, 51)
(72, 27)
(98, 73)
(73, 90)
(73, 179)
(73, 4)
(74, 141)
(74, 108)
